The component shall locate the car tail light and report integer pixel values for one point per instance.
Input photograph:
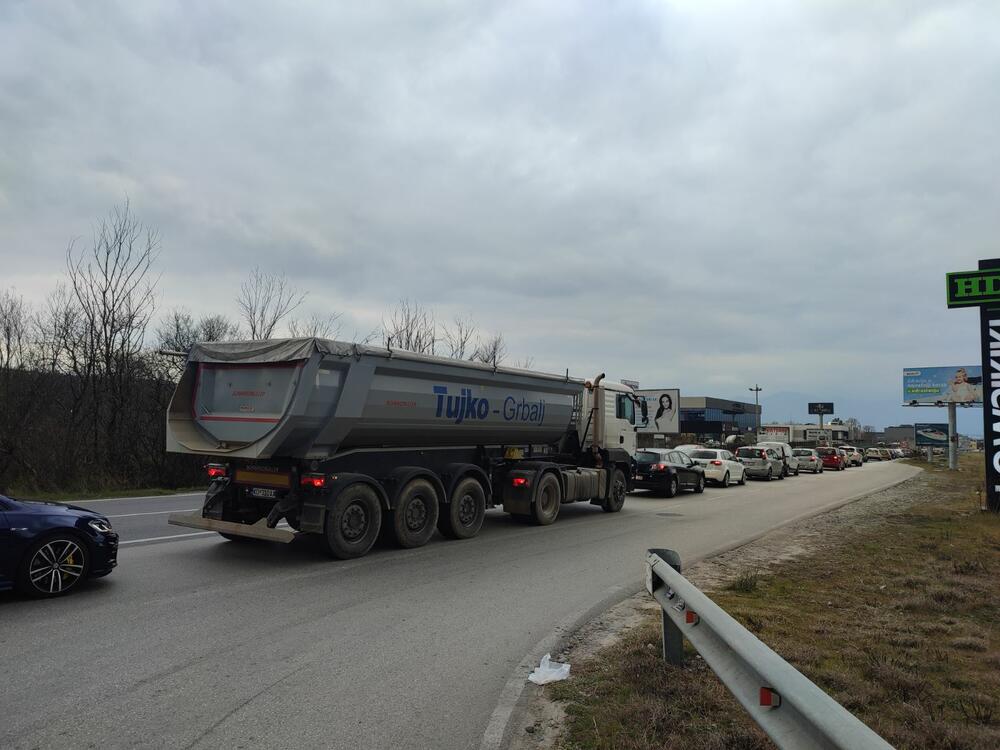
(519, 482)
(716, 463)
(313, 480)
(763, 454)
(215, 471)
(659, 467)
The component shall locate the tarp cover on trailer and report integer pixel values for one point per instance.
(271, 350)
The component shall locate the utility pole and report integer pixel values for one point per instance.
(756, 412)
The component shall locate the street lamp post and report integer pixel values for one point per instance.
(756, 412)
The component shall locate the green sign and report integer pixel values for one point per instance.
(967, 288)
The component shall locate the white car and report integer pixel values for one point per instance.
(787, 456)
(721, 466)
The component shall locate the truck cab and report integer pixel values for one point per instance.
(611, 425)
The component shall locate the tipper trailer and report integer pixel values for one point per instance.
(346, 441)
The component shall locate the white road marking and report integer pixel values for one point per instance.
(161, 538)
(140, 497)
(152, 513)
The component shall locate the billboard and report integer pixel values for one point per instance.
(663, 409)
(776, 432)
(821, 407)
(931, 385)
(931, 434)
(818, 435)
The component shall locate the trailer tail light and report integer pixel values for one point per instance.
(215, 471)
(317, 481)
(519, 482)
(716, 463)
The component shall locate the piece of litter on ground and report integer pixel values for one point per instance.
(549, 671)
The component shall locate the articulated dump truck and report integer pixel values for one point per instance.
(348, 441)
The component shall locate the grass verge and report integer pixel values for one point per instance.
(899, 621)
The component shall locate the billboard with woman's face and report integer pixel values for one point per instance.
(663, 408)
(932, 385)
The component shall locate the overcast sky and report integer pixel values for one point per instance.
(696, 194)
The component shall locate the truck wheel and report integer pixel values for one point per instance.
(545, 509)
(353, 522)
(464, 515)
(416, 514)
(616, 501)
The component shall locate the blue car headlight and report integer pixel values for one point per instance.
(100, 525)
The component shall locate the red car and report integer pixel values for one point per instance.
(833, 458)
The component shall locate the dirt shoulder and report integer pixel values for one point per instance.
(891, 604)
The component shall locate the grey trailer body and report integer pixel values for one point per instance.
(299, 428)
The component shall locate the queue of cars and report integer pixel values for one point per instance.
(667, 471)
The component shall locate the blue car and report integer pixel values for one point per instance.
(47, 549)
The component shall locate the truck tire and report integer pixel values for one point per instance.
(416, 514)
(545, 509)
(616, 501)
(353, 521)
(463, 516)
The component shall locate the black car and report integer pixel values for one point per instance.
(46, 549)
(667, 472)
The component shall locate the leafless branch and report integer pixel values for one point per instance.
(265, 300)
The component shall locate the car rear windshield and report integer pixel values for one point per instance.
(749, 452)
(647, 458)
(702, 454)
(827, 451)
(801, 452)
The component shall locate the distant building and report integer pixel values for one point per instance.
(714, 419)
(903, 433)
(806, 434)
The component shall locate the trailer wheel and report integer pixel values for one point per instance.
(416, 514)
(464, 515)
(616, 501)
(353, 522)
(545, 509)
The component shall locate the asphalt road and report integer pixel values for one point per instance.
(198, 642)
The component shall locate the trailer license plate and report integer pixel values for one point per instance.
(263, 492)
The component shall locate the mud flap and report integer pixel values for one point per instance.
(258, 530)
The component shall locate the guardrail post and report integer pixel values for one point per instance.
(672, 640)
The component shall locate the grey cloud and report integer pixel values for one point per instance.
(654, 183)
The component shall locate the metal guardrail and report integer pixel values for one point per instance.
(793, 711)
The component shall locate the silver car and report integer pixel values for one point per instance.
(809, 460)
(763, 463)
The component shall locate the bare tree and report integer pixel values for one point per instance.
(491, 350)
(14, 331)
(265, 300)
(458, 338)
(319, 326)
(217, 328)
(177, 332)
(112, 290)
(525, 363)
(410, 327)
